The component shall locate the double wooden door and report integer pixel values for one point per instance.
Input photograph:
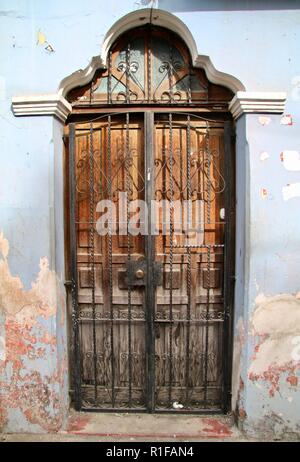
(150, 235)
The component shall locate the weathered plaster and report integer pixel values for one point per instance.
(237, 380)
(275, 324)
(271, 392)
(31, 377)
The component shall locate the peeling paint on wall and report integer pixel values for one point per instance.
(31, 376)
(264, 193)
(290, 191)
(42, 41)
(237, 382)
(286, 120)
(276, 323)
(264, 120)
(291, 160)
(264, 156)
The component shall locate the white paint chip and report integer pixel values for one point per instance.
(286, 119)
(291, 160)
(263, 193)
(290, 399)
(290, 191)
(264, 156)
(263, 120)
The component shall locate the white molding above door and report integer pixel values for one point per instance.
(243, 102)
(42, 105)
(257, 102)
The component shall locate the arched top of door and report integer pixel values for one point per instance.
(207, 84)
(150, 57)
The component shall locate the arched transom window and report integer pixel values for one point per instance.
(149, 65)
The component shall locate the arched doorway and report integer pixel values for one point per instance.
(151, 199)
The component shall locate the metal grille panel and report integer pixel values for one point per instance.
(151, 309)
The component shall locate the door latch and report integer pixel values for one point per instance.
(136, 273)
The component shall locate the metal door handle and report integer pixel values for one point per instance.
(139, 274)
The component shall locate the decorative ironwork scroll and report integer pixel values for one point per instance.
(147, 66)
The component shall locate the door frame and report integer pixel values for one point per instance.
(229, 258)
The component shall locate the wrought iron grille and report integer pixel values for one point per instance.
(150, 65)
(151, 309)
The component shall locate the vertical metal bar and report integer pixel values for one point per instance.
(190, 86)
(128, 191)
(171, 258)
(228, 264)
(170, 75)
(208, 213)
(188, 171)
(127, 73)
(149, 67)
(109, 95)
(74, 287)
(100, 141)
(150, 258)
(110, 263)
(92, 252)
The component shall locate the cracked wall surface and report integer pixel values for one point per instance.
(276, 327)
(266, 360)
(32, 373)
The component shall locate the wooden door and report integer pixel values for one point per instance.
(189, 312)
(108, 161)
(148, 302)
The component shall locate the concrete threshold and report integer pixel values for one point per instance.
(97, 427)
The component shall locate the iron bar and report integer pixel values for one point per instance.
(92, 252)
(110, 262)
(167, 321)
(149, 66)
(150, 257)
(200, 246)
(170, 69)
(128, 191)
(199, 223)
(109, 89)
(127, 74)
(189, 263)
(228, 281)
(208, 213)
(171, 255)
(74, 281)
(190, 89)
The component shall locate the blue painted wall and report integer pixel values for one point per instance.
(258, 44)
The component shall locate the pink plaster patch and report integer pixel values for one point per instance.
(273, 374)
(292, 380)
(78, 422)
(216, 428)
